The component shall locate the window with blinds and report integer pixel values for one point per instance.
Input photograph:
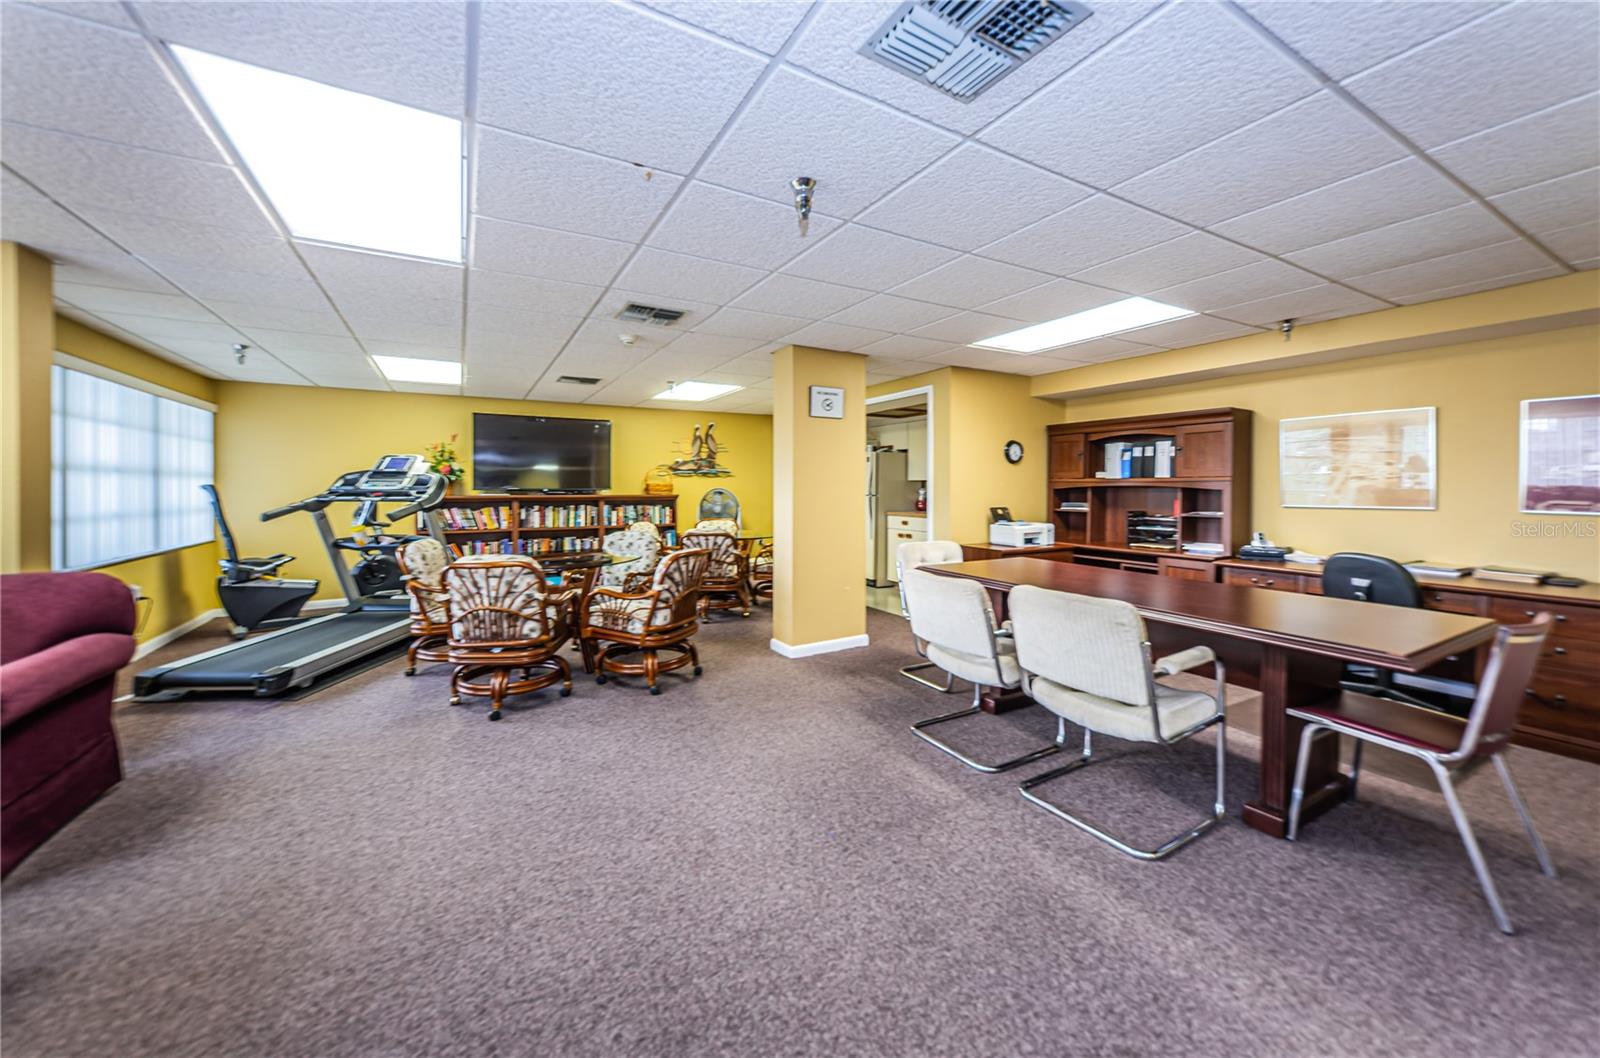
(126, 471)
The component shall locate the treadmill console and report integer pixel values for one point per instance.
(390, 473)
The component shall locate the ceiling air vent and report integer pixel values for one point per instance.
(650, 314)
(577, 380)
(961, 47)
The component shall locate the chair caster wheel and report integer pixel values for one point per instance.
(455, 701)
(495, 715)
(698, 670)
(745, 614)
(655, 690)
(411, 672)
(601, 678)
(566, 692)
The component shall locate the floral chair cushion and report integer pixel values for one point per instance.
(718, 525)
(645, 547)
(646, 527)
(724, 548)
(673, 585)
(424, 561)
(484, 588)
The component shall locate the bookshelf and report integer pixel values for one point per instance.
(1192, 488)
(548, 523)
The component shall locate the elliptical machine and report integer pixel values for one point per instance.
(250, 589)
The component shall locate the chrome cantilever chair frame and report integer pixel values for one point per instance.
(1464, 760)
(1167, 666)
(919, 728)
(909, 671)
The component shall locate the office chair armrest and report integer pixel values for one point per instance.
(1184, 660)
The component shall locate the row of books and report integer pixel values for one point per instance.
(475, 517)
(624, 514)
(552, 517)
(1139, 459)
(532, 546)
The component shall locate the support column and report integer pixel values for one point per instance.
(819, 483)
(27, 348)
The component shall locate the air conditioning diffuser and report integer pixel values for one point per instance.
(650, 314)
(962, 47)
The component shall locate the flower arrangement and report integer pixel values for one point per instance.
(442, 459)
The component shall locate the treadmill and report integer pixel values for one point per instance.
(372, 619)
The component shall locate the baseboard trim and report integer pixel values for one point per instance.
(825, 646)
(155, 643)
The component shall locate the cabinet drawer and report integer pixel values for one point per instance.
(900, 522)
(1455, 601)
(1259, 579)
(1571, 622)
(1561, 703)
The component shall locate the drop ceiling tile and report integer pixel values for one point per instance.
(1541, 146)
(724, 225)
(889, 313)
(600, 337)
(526, 180)
(1041, 364)
(1342, 38)
(509, 322)
(1193, 330)
(1392, 193)
(354, 275)
(967, 327)
(794, 296)
(1322, 302)
(616, 299)
(108, 12)
(494, 384)
(1555, 204)
(529, 293)
(156, 329)
(384, 327)
(1052, 300)
(758, 326)
(1492, 283)
(993, 360)
(971, 281)
(970, 197)
(79, 77)
(549, 389)
(764, 26)
(674, 275)
(219, 284)
(87, 175)
(1435, 235)
(166, 243)
(414, 351)
(33, 220)
(1215, 76)
(865, 257)
(667, 89)
(829, 46)
(1166, 264)
(893, 368)
(1576, 244)
(524, 352)
(758, 364)
(1100, 350)
(292, 345)
(856, 150)
(1511, 257)
(308, 318)
(1315, 142)
(525, 249)
(1263, 279)
(358, 376)
(108, 270)
(829, 335)
(412, 53)
(1540, 54)
(907, 347)
(133, 302)
(1084, 235)
(706, 347)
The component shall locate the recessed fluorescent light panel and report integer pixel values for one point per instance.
(695, 391)
(1081, 326)
(409, 369)
(339, 166)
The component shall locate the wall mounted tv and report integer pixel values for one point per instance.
(535, 453)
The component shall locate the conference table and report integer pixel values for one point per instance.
(1290, 647)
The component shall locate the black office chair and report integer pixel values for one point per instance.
(252, 593)
(1373, 578)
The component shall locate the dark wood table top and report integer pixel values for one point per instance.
(1390, 636)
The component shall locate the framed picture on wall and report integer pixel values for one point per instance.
(1560, 456)
(1382, 460)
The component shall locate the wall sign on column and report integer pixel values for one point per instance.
(827, 402)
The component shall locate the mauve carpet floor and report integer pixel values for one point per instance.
(763, 862)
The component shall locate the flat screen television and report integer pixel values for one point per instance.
(535, 453)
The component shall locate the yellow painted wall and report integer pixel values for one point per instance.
(974, 414)
(819, 517)
(278, 444)
(27, 337)
(1476, 387)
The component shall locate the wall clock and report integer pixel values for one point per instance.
(1013, 451)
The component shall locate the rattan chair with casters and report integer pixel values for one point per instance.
(647, 527)
(660, 616)
(726, 584)
(423, 561)
(505, 617)
(954, 620)
(1449, 745)
(645, 549)
(907, 558)
(717, 525)
(761, 570)
(1088, 661)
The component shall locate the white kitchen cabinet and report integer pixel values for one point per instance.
(917, 450)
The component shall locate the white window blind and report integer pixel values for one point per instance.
(126, 471)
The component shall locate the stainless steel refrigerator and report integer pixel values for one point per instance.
(887, 490)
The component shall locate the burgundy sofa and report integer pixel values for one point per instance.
(63, 636)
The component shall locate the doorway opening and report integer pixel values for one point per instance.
(899, 507)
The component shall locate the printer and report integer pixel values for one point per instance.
(1021, 534)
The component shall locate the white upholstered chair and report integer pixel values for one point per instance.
(954, 620)
(907, 558)
(1088, 661)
